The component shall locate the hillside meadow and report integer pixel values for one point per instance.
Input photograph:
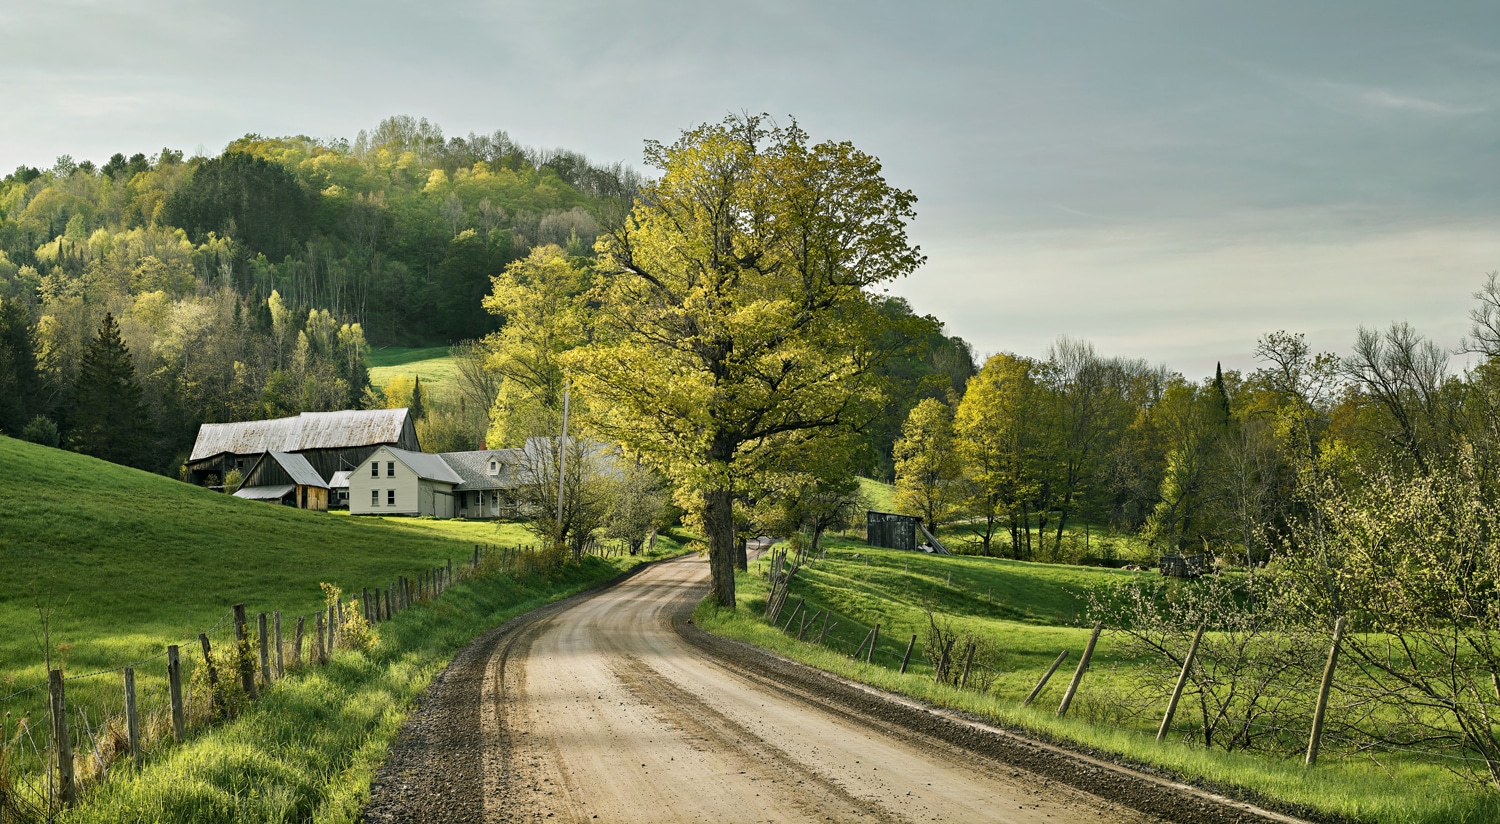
(1026, 613)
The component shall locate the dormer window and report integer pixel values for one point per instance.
(494, 467)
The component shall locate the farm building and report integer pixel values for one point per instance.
(285, 478)
(395, 481)
(490, 477)
(329, 441)
(338, 489)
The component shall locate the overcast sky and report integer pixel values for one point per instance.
(1167, 179)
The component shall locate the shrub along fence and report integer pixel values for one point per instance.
(1251, 685)
(51, 748)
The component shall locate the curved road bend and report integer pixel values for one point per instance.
(598, 709)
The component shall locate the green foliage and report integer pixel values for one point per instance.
(256, 202)
(736, 320)
(927, 465)
(108, 420)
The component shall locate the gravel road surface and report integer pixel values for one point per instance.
(611, 707)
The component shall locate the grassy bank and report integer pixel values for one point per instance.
(1025, 611)
(309, 748)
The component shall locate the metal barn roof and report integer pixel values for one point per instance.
(426, 465)
(265, 493)
(310, 430)
(340, 479)
(298, 469)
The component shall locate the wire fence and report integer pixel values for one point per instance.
(64, 734)
(1353, 729)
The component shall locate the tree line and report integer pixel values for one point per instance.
(1228, 465)
(251, 284)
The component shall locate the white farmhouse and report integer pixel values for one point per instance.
(400, 482)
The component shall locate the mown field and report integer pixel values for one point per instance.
(114, 564)
(1027, 613)
(431, 363)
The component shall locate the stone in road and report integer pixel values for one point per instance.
(601, 712)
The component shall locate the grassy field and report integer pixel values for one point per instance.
(1028, 612)
(432, 364)
(123, 563)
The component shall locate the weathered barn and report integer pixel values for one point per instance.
(887, 529)
(329, 441)
(490, 477)
(401, 482)
(286, 478)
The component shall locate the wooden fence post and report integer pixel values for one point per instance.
(67, 788)
(333, 626)
(213, 672)
(318, 656)
(907, 657)
(297, 642)
(364, 604)
(450, 572)
(1187, 665)
(242, 637)
(174, 690)
(280, 655)
(1083, 664)
(968, 660)
(1316, 739)
(861, 647)
(1037, 690)
(132, 720)
(265, 648)
(874, 636)
(793, 615)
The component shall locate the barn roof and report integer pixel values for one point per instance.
(340, 479)
(265, 493)
(310, 430)
(474, 468)
(298, 469)
(426, 465)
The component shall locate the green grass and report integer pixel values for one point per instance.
(1027, 611)
(308, 750)
(879, 496)
(437, 370)
(126, 562)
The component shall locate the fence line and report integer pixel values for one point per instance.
(41, 775)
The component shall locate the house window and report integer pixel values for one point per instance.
(494, 468)
(374, 497)
(390, 469)
(374, 469)
(390, 497)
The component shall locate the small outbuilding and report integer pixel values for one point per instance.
(890, 530)
(395, 481)
(286, 478)
(338, 489)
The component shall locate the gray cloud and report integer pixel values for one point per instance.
(1119, 171)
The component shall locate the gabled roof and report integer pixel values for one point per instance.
(426, 465)
(340, 479)
(474, 468)
(298, 469)
(310, 430)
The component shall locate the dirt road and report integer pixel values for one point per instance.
(611, 708)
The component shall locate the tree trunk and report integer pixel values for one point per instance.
(742, 554)
(718, 520)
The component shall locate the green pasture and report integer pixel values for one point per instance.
(431, 363)
(1026, 613)
(122, 562)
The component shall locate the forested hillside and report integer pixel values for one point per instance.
(144, 295)
(251, 283)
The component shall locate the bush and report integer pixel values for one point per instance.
(41, 430)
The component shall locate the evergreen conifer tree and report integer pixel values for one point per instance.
(1221, 395)
(108, 420)
(19, 401)
(418, 408)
